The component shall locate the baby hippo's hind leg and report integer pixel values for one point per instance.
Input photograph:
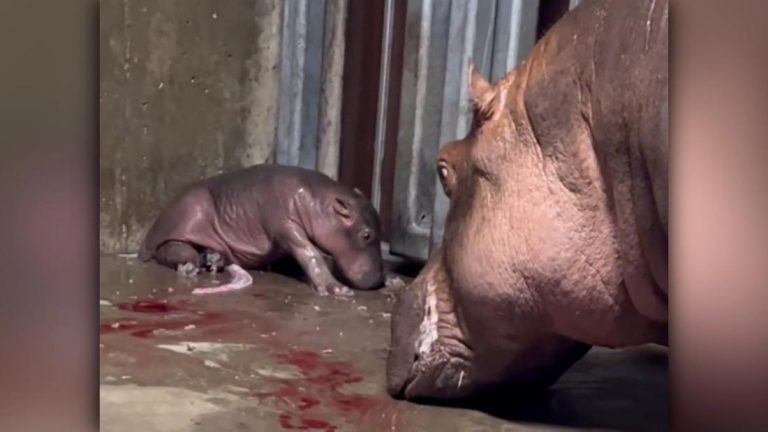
(180, 256)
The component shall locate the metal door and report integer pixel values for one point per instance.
(441, 37)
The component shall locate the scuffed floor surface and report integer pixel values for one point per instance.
(277, 357)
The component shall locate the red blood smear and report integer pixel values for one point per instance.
(147, 306)
(290, 393)
(321, 385)
(306, 403)
(354, 404)
(307, 361)
(290, 422)
(144, 329)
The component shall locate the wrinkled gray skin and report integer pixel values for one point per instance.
(257, 215)
(556, 237)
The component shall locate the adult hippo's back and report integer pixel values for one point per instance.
(253, 216)
(556, 237)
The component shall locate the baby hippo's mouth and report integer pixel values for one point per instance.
(361, 274)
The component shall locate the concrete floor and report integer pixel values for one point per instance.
(278, 357)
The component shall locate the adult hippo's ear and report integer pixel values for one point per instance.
(483, 94)
(480, 90)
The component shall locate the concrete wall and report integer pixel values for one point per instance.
(188, 89)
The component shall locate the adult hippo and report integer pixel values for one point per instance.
(556, 237)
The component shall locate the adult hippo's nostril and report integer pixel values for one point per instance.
(407, 314)
(445, 378)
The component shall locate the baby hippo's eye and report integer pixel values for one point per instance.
(365, 235)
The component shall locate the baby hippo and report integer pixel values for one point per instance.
(252, 217)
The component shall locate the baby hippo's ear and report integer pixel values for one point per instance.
(342, 207)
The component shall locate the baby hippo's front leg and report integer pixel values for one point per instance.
(311, 261)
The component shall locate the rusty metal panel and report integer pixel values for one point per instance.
(441, 38)
(424, 56)
(514, 35)
(301, 63)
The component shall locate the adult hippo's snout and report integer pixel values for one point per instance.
(430, 356)
(426, 358)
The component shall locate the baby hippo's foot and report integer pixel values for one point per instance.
(187, 269)
(335, 288)
(214, 261)
(394, 281)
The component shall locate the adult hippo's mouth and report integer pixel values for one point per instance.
(427, 358)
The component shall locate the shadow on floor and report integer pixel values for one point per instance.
(288, 267)
(608, 389)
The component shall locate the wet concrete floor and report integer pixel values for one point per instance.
(277, 357)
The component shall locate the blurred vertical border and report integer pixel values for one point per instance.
(48, 217)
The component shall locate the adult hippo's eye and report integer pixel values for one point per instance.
(445, 174)
(442, 172)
